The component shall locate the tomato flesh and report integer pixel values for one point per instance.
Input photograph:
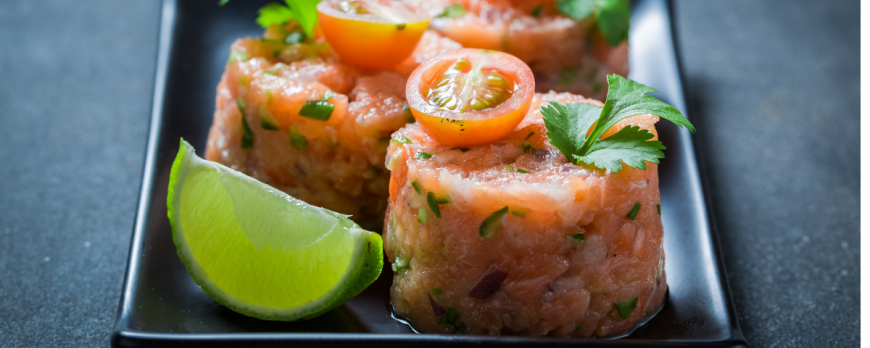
(374, 34)
(469, 96)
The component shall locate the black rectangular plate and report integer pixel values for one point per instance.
(162, 306)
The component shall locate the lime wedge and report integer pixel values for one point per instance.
(260, 252)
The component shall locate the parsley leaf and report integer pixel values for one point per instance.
(452, 11)
(612, 16)
(568, 126)
(303, 11)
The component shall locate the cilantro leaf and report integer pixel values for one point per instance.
(613, 20)
(612, 16)
(568, 127)
(630, 145)
(577, 10)
(303, 11)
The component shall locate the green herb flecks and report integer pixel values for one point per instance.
(247, 134)
(519, 212)
(297, 140)
(521, 170)
(626, 307)
(568, 125)
(578, 327)
(422, 216)
(237, 56)
(266, 124)
(417, 187)
(423, 155)
(303, 11)
(433, 202)
(452, 11)
(659, 209)
(580, 238)
(536, 12)
(526, 147)
(450, 318)
(634, 210)
(401, 263)
(612, 16)
(492, 224)
(436, 291)
(530, 135)
(402, 140)
(319, 110)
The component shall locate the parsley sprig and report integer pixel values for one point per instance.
(303, 11)
(568, 126)
(612, 16)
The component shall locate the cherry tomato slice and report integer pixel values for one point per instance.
(470, 96)
(375, 34)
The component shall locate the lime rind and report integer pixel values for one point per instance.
(363, 269)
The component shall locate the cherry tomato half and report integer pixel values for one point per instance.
(470, 96)
(376, 34)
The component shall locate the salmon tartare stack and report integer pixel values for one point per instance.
(517, 235)
(294, 114)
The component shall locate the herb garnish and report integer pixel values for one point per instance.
(568, 125)
(536, 12)
(612, 16)
(303, 11)
(626, 307)
(634, 210)
(298, 140)
(318, 109)
(452, 11)
(423, 155)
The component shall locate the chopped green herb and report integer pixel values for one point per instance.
(271, 72)
(659, 209)
(422, 217)
(402, 140)
(276, 53)
(612, 16)
(442, 199)
(423, 155)
(319, 110)
(520, 170)
(530, 135)
(247, 134)
(626, 307)
(452, 11)
(417, 187)
(436, 291)
(492, 224)
(526, 146)
(375, 170)
(509, 168)
(521, 213)
(401, 264)
(303, 11)
(433, 204)
(297, 140)
(580, 238)
(240, 103)
(578, 327)
(237, 56)
(536, 12)
(269, 95)
(294, 38)
(266, 124)
(449, 318)
(568, 126)
(634, 210)
(243, 80)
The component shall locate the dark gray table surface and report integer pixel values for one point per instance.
(773, 88)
